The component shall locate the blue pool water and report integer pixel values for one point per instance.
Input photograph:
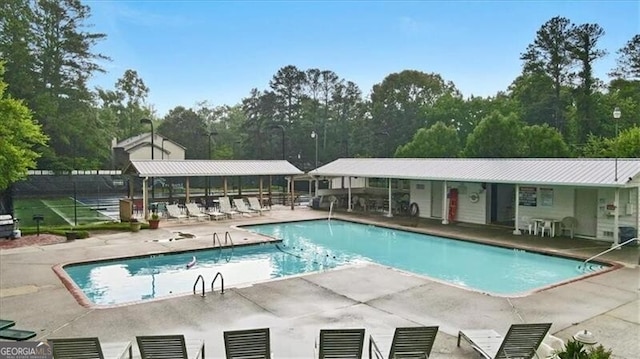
(311, 246)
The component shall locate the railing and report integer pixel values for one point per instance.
(331, 209)
(215, 236)
(200, 278)
(583, 266)
(227, 237)
(221, 282)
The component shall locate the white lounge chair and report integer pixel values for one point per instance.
(521, 341)
(242, 207)
(254, 204)
(194, 211)
(173, 211)
(225, 207)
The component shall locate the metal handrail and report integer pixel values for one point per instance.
(214, 281)
(584, 264)
(331, 209)
(227, 235)
(215, 235)
(200, 277)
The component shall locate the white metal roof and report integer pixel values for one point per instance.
(577, 172)
(195, 168)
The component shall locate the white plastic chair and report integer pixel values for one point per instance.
(547, 226)
(528, 223)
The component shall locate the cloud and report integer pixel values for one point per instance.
(149, 18)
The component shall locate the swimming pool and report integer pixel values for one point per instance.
(310, 246)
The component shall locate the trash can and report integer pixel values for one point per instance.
(315, 203)
(626, 233)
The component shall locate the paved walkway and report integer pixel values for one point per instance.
(375, 297)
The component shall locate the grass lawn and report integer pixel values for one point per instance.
(56, 212)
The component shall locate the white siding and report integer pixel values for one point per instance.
(420, 193)
(468, 211)
(628, 211)
(563, 204)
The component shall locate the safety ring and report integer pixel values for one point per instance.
(414, 210)
(474, 197)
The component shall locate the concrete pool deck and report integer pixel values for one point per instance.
(368, 296)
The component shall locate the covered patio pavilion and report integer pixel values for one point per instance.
(147, 169)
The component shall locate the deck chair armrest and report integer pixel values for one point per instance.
(374, 350)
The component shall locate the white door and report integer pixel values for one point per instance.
(436, 199)
(586, 211)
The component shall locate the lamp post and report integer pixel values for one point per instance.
(283, 154)
(148, 121)
(616, 116)
(314, 135)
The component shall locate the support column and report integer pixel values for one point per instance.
(389, 214)
(516, 230)
(145, 198)
(224, 186)
(349, 207)
(445, 204)
(291, 191)
(260, 190)
(187, 195)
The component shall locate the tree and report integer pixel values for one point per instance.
(398, 106)
(19, 136)
(496, 136)
(549, 54)
(185, 127)
(628, 61)
(584, 50)
(439, 141)
(542, 141)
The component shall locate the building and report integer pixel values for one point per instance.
(139, 148)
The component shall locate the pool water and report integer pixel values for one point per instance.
(311, 246)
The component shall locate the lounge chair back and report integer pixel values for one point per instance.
(251, 343)
(254, 203)
(162, 347)
(341, 343)
(413, 342)
(522, 340)
(174, 211)
(73, 348)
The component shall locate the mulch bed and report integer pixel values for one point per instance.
(31, 240)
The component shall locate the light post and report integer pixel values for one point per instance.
(314, 135)
(283, 154)
(616, 116)
(148, 121)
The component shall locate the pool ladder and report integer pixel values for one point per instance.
(227, 241)
(200, 279)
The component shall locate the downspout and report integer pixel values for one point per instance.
(516, 230)
(616, 217)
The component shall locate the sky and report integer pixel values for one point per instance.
(216, 51)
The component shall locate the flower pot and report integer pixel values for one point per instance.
(154, 223)
(135, 226)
